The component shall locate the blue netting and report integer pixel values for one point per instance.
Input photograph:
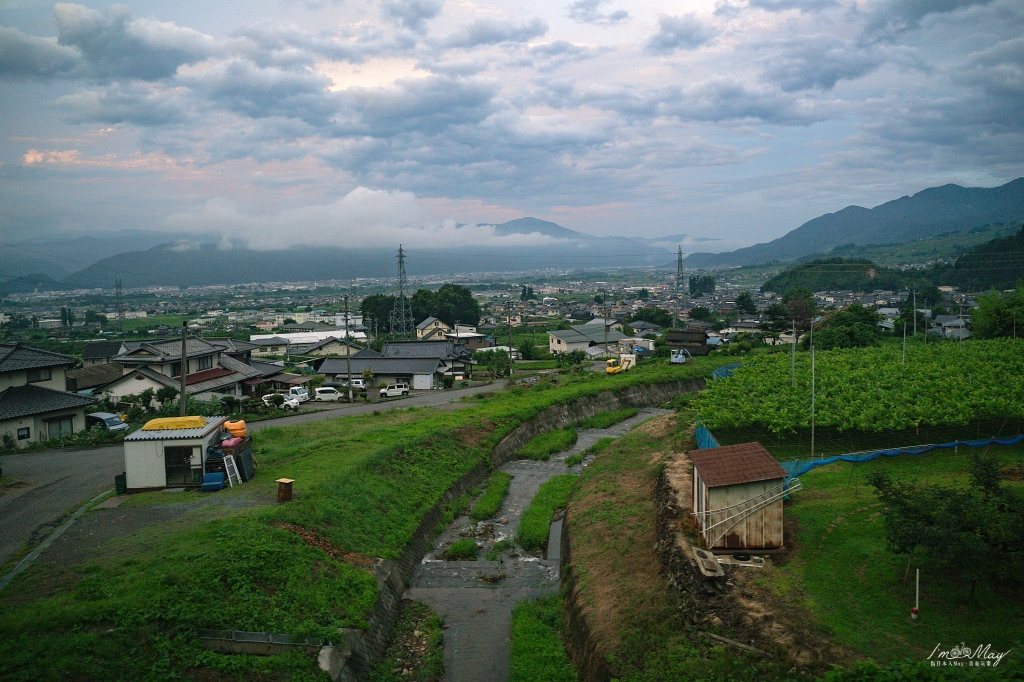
(704, 438)
(725, 372)
(800, 467)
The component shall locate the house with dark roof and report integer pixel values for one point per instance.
(88, 379)
(100, 352)
(455, 358)
(737, 497)
(33, 403)
(419, 373)
(210, 369)
(330, 346)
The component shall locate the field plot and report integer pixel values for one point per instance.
(362, 486)
(870, 390)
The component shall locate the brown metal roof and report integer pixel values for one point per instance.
(734, 464)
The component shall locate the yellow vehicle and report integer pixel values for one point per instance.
(620, 364)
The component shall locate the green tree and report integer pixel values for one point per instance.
(93, 317)
(999, 315)
(642, 295)
(456, 303)
(423, 303)
(700, 285)
(576, 357)
(658, 316)
(852, 327)
(376, 310)
(775, 323)
(745, 304)
(799, 302)
(703, 314)
(976, 532)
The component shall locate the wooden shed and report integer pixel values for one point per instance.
(737, 497)
(160, 457)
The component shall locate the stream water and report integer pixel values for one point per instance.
(476, 598)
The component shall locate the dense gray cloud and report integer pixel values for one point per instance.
(493, 32)
(680, 33)
(116, 46)
(589, 12)
(135, 103)
(25, 56)
(819, 61)
(412, 14)
(892, 17)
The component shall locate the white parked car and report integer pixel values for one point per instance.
(394, 390)
(289, 403)
(326, 394)
(299, 393)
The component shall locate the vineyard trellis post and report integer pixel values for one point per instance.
(812, 388)
(905, 342)
(915, 312)
(792, 362)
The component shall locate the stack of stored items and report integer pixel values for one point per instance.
(241, 450)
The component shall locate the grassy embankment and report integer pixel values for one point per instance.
(362, 485)
(537, 652)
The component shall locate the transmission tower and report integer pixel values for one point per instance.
(401, 316)
(119, 303)
(680, 274)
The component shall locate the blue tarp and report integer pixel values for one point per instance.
(725, 372)
(704, 438)
(801, 467)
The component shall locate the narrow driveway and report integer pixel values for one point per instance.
(62, 480)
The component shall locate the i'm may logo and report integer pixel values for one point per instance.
(963, 656)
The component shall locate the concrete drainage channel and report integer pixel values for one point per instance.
(476, 598)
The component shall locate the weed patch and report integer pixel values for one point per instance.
(573, 460)
(490, 502)
(553, 494)
(607, 419)
(546, 444)
(465, 549)
(417, 649)
(537, 652)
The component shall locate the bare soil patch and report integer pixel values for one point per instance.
(315, 540)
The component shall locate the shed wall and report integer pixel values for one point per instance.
(761, 529)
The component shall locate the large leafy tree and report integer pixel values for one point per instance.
(852, 327)
(450, 304)
(775, 323)
(974, 532)
(799, 302)
(423, 304)
(999, 314)
(745, 304)
(658, 316)
(376, 312)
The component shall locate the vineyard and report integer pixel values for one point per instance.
(871, 390)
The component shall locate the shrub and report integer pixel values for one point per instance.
(553, 494)
(489, 504)
(607, 419)
(465, 549)
(544, 445)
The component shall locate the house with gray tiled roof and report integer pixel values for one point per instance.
(33, 403)
(582, 337)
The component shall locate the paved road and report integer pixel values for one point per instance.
(63, 480)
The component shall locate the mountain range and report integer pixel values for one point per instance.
(929, 213)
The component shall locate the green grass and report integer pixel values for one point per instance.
(860, 592)
(553, 494)
(537, 653)
(499, 548)
(573, 460)
(417, 645)
(547, 444)
(362, 486)
(465, 549)
(599, 447)
(607, 419)
(490, 502)
(534, 365)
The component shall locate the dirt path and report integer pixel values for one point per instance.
(476, 598)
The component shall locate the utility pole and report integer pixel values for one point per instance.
(679, 267)
(904, 343)
(182, 399)
(605, 293)
(812, 388)
(348, 353)
(915, 313)
(792, 360)
(508, 307)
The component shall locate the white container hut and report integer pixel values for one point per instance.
(737, 497)
(169, 457)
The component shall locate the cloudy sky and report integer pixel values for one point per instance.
(346, 120)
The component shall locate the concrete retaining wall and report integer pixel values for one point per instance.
(392, 576)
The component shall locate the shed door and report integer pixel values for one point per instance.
(178, 465)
